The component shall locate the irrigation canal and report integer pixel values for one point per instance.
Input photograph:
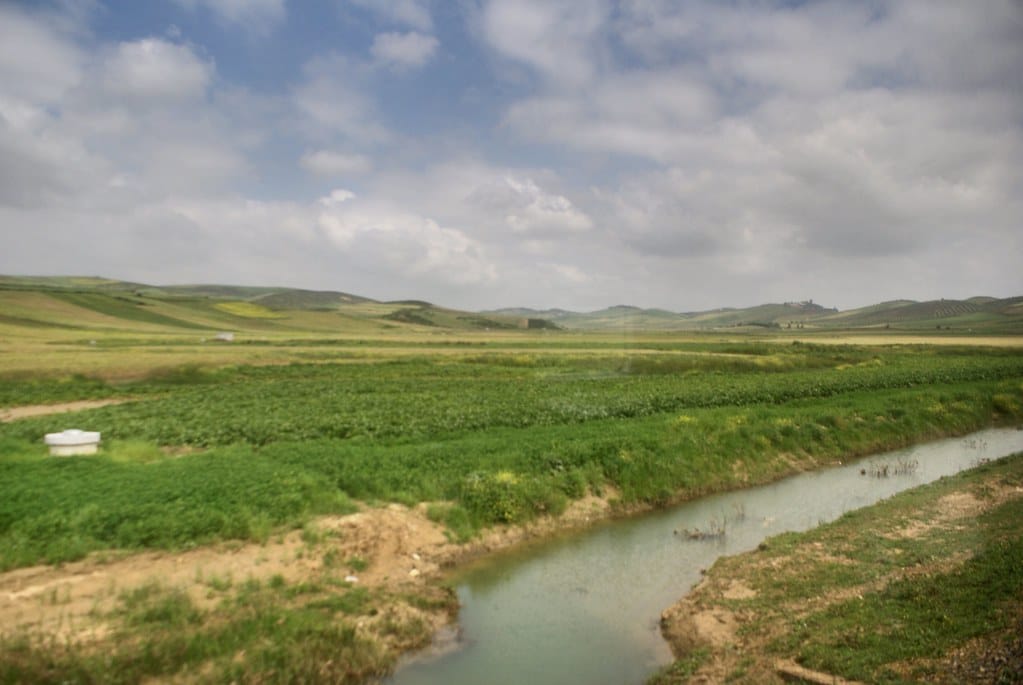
(584, 608)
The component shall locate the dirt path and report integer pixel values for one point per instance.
(28, 411)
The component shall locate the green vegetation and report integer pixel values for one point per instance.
(680, 670)
(920, 618)
(254, 632)
(59, 510)
(327, 398)
(248, 310)
(887, 594)
(235, 453)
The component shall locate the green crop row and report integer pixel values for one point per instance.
(55, 509)
(417, 400)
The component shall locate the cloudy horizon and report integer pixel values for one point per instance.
(481, 154)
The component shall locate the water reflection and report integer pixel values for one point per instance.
(584, 609)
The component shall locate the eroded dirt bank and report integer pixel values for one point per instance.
(392, 548)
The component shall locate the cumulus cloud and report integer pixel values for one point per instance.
(155, 70)
(555, 37)
(833, 129)
(652, 114)
(403, 49)
(526, 208)
(406, 243)
(649, 151)
(130, 123)
(337, 197)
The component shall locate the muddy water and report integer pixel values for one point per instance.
(585, 608)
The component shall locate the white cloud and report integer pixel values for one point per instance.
(332, 98)
(155, 70)
(403, 242)
(258, 16)
(570, 273)
(650, 114)
(41, 168)
(828, 129)
(555, 37)
(331, 163)
(38, 62)
(195, 167)
(681, 154)
(337, 197)
(129, 124)
(412, 13)
(403, 49)
(526, 208)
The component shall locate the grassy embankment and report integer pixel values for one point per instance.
(924, 587)
(321, 629)
(492, 437)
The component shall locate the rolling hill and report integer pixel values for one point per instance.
(977, 314)
(95, 303)
(104, 305)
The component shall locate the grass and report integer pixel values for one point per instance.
(244, 441)
(248, 310)
(681, 670)
(126, 307)
(922, 617)
(237, 452)
(917, 618)
(59, 510)
(257, 632)
(857, 600)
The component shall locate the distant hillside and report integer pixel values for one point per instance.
(94, 303)
(977, 314)
(308, 299)
(624, 316)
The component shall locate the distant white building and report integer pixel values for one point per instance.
(224, 337)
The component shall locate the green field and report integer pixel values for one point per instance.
(502, 437)
(319, 409)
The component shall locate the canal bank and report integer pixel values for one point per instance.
(587, 608)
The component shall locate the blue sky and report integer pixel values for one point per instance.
(485, 153)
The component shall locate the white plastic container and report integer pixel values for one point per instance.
(72, 442)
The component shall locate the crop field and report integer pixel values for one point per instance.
(206, 453)
(211, 446)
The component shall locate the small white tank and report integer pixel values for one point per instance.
(71, 442)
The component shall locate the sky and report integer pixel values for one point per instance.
(682, 154)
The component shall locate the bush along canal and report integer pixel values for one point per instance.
(585, 608)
